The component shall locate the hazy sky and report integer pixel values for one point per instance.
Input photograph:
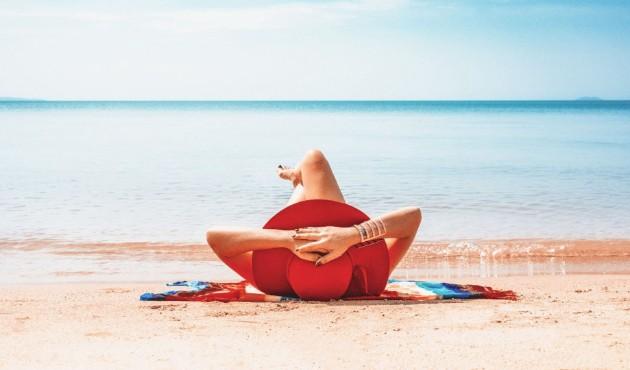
(314, 49)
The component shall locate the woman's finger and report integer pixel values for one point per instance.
(318, 250)
(327, 258)
(307, 229)
(312, 257)
(312, 247)
(306, 236)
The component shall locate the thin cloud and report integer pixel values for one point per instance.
(77, 16)
(273, 16)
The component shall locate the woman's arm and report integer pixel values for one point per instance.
(234, 241)
(400, 225)
(312, 242)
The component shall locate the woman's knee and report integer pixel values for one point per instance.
(314, 158)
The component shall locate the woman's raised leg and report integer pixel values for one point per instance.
(313, 178)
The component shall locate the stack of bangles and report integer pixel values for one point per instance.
(371, 230)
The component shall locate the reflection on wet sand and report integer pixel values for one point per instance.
(456, 267)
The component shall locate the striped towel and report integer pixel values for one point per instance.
(402, 290)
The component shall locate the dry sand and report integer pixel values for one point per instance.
(576, 321)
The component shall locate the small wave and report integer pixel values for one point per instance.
(509, 248)
(522, 248)
(46, 259)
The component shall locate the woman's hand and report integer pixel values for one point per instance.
(307, 256)
(329, 242)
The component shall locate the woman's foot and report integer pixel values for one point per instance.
(290, 174)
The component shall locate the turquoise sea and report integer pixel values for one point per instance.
(156, 171)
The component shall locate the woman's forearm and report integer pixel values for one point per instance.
(401, 223)
(232, 242)
(332, 242)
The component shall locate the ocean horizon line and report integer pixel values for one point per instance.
(579, 99)
(325, 106)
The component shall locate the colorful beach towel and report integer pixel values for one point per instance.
(402, 290)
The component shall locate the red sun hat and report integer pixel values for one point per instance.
(361, 271)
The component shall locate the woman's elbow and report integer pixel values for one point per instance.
(415, 215)
(214, 239)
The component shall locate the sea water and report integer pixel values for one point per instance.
(81, 180)
(166, 171)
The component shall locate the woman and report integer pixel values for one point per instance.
(313, 179)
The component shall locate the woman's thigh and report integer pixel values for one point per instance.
(241, 264)
(318, 179)
(397, 248)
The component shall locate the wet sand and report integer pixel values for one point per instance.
(49, 260)
(576, 321)
(500, 248)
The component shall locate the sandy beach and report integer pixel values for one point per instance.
(578, 321)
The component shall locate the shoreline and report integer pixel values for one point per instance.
(57, 261)
(494, 248)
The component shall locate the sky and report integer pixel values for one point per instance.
(302, 50)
